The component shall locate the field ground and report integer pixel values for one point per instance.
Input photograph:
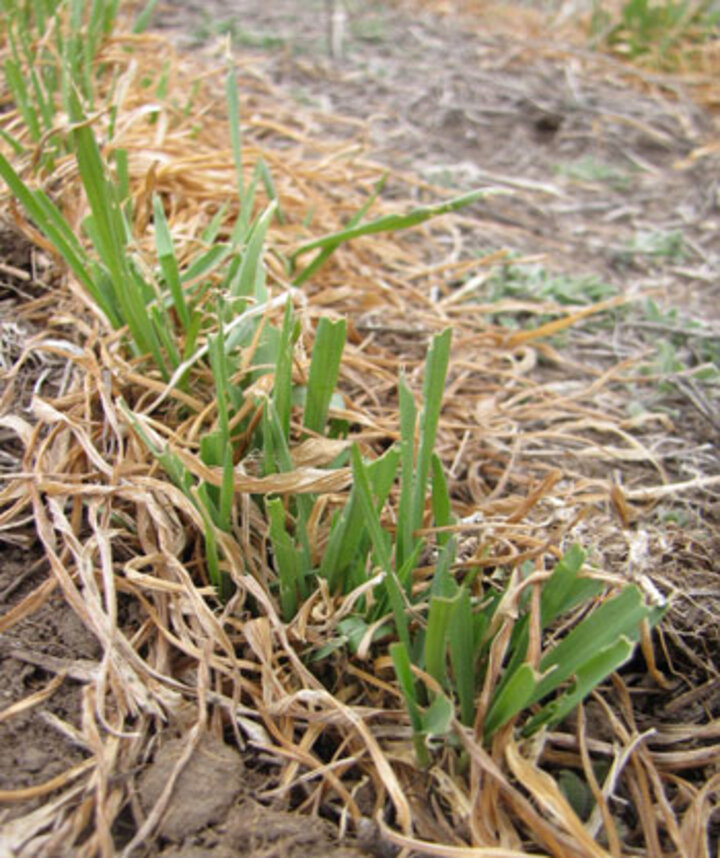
(611, 200)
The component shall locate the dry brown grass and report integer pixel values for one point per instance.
(695, 62)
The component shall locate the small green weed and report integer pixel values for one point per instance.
(593, 171)
(680, 344)
(659, 245)
(532, 284)
(209, 28)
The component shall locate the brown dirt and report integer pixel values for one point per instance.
(222, 819)
(456, 108)
(34, 746)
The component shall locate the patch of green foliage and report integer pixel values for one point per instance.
(212, 28)
(533, 284)
(658, 244)
(681, 345)
(50, 64)
(662, 31)
(592, 170)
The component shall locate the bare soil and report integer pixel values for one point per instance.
(595, 156)
(45, 643)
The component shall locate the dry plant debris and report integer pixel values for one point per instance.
(539, 453)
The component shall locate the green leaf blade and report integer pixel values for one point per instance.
(168, 262)
(324, 372)
(286, 558)
(436, 367)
